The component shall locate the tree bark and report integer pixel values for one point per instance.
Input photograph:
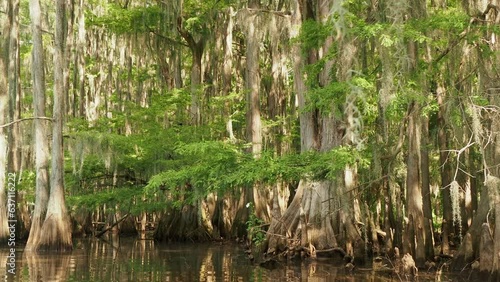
(79, 84)
(253, 80)
(426, 189)
(4, 102)
(322, 214)
(56, 229)
(196, 44)
(308, 128)
(41, 131)
(444, 161)
(14, 153)
(415, 244)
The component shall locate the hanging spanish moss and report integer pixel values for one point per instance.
(455, 195)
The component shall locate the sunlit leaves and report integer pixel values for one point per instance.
(126, 20)
(327, 98)
(218, 166)
(199, 15)
(386, 40)
(313, 34)
(123, 198)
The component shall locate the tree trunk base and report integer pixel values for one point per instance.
(56, 235)
(310, 224)
(181, 225)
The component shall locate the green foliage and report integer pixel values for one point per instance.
(332, 97)
(122, 197)
(27, 183)
(199, 15)
(313, 34)
(214, 166)
(254, 227)
(120, 20)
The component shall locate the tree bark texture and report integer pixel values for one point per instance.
(56, 229)
(41, 128)
(4, 102)
(415, 233)
(14, 153)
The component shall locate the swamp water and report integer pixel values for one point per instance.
(127, 259)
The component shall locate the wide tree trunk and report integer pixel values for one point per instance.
(56, 229)
(41, 132)
(322, 213)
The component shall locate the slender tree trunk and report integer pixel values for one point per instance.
(444, 161)
(197, 45)
(14, 153)
(196, 82)
(79, 85)
(308, 140)
(14, 139)
(345, 132)
(492, 151)
(253, 80)
(56, 229)
(4, 101)
(414, 233)
(227, 74)
(426, 189)
(41, 132)
(254, 194)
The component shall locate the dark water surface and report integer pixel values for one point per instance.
(136, 260)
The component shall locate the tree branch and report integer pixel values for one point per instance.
(113, 225)
(274, 12)
(451, 46)
(168, 39)
(24, 119)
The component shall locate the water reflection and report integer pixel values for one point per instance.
(118, 259)
(45, 267)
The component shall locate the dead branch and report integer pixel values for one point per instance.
(24, 119)
(113, 225)
(274, 12)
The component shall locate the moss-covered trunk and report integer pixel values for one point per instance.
(322, 214)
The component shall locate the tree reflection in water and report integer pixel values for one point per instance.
(46, 267)
(126, 259)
